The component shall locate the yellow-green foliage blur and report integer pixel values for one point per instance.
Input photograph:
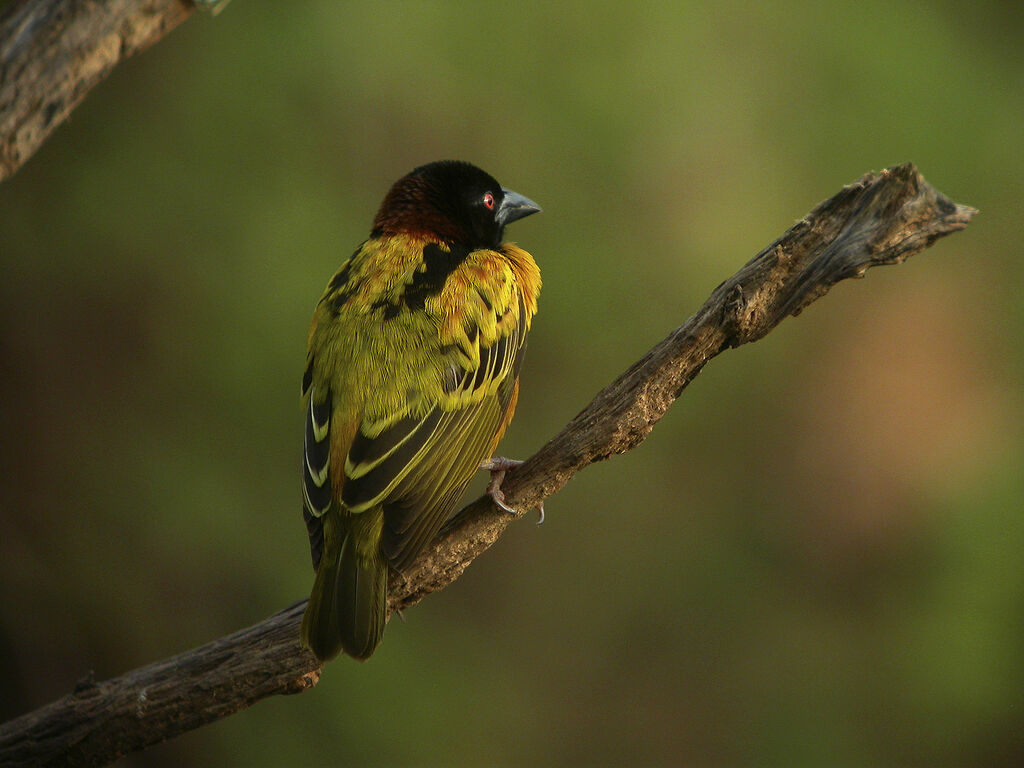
(816, 559)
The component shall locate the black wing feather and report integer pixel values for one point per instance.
(316, 480)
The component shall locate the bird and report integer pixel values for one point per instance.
(412, 377)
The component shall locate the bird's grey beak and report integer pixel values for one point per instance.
(514, 206)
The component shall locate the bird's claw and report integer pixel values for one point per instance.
(498, 466)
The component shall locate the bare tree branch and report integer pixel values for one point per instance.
(881, 219)
(52, 52)
(100, 722)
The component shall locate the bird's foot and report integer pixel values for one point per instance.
(498, 466)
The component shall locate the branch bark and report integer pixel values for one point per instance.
(881, 219)
(52, 52)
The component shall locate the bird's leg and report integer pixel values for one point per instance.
(498, 466)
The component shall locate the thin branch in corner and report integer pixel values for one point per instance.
(881, 219)
(52, 52)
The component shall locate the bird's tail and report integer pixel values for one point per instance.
(347, 607)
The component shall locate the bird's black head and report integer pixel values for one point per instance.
(451, 201)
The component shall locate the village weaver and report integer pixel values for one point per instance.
(412, 376)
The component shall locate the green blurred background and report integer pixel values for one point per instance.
(816, 559)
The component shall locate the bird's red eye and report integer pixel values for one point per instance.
(489, 201)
